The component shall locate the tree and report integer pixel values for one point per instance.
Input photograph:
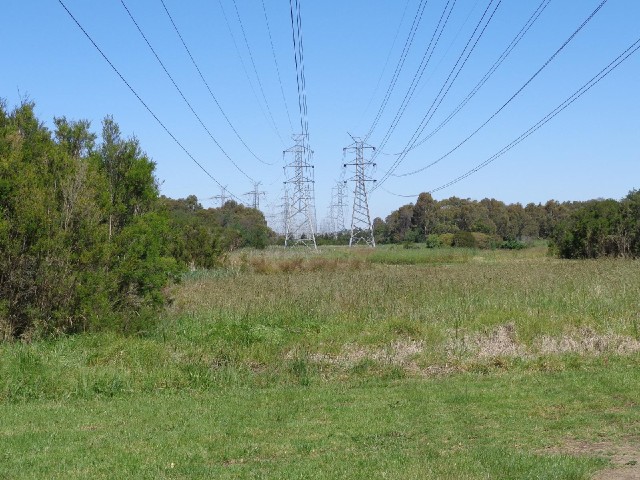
(81, 243)
(425, 215)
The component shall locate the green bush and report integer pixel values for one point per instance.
(601, 228)
(513, 245)
(81, 243)
(464, 240)
(486, 241)
(446, 239)
(433, 241)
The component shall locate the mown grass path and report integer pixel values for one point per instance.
(463, 426)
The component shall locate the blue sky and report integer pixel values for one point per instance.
(591, 149)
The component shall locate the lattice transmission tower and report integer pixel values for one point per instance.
(336, 209)
(361, 228)
(300, 221)
(255, 194)
(223, 197)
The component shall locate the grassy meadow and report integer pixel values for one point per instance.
(386, 363)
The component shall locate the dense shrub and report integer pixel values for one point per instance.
(485, 241)
(446, 239)
(464, 239)
(81, 243)
(513, 245)
(433, 241)
(601, 228)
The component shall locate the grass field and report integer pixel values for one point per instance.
(386, 363)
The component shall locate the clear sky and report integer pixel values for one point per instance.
(589, 150)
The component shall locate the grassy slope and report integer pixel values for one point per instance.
(247, 377)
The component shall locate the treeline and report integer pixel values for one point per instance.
(601, 228)
(427, 217)
(588, 229)
(86, 242)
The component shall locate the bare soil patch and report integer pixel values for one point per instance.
(624, 456)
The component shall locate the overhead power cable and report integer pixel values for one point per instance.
(206, 84)
(446, 86)
(298, 54)
(142, 101)
(417, 77)
(302, 69)
(183, 96)
(275, 61)
(512, 45)
(418, 132)
(386, 62)
(634, 47)
(403, 56)
(246, 73)
(255, 70)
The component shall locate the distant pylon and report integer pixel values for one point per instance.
(361, 228)
(285, 210)
(255, 194)
(300, 224)
(336, 209)
(222, 197)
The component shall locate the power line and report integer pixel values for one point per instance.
(576, 95)
(386, 62)
(183, 96)
(633, 48)
(275, 61)
(403, 56)
(418, 132)
(298, 55)
(302, 69)
(446, 86)
(184, 44)
(255, 70)
(420, 71)
(142, 101)
(523, 31)
(246, 73)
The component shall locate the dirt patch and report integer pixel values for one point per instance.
(396, 353)
(500, 342)
(587, 342)
(624, 457)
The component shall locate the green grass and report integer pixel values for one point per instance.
(389, 363)
(466, 426)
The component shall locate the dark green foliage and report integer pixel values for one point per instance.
(491, 221)
(513, 245)
(81, 245)
(464, 240)
(601, 228)
(201, 236)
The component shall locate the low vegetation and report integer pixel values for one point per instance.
(421, 363)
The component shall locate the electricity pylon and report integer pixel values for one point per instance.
(336, 209)
(222, 197)
(255, 194)
(300, 221)
(361, 228)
